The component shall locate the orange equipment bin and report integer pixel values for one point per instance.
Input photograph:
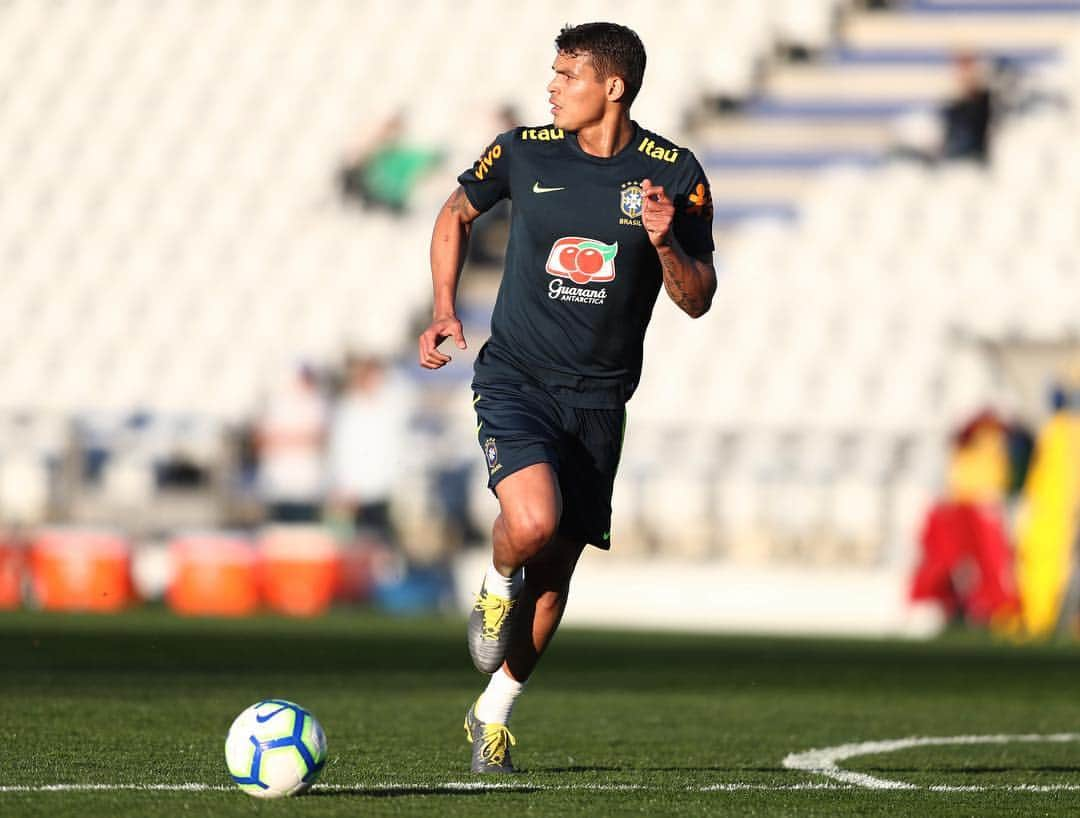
(11, 572)
(300, 568)
(75, 569)
(213, 575)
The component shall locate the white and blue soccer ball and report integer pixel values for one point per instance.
(275, 748)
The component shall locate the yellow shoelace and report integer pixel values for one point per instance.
(494, 748)
(495, 610)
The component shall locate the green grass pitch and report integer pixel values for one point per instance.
(612, 723)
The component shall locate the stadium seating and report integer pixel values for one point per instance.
(170, 237)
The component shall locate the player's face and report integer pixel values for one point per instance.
(577, 94)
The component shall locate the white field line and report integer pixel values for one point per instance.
(826, 760)
(112, 787)
(823, 761)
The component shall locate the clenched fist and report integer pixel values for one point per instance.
(657, 214)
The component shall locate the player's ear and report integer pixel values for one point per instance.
(616, 88)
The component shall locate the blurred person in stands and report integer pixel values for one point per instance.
(605, 214)
(958, 130)
(369, 432)
(290, 435)
(968, 116)
(381, 169)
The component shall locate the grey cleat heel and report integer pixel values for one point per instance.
(490, 745)
(489, 630)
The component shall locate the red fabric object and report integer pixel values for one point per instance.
(967, 562)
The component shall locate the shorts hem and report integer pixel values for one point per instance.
(506, 471)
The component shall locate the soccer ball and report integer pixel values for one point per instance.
(275, 748)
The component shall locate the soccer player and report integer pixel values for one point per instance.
(604, 214)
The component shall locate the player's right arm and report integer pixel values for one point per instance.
(449, 241)
(481, 186)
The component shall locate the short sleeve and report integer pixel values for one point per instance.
(488, 180)
(694, 211)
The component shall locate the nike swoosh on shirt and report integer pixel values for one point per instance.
(538, 189)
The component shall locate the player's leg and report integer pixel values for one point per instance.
(525, 535)
(530, 507)
(540, 608)
(541, 604)
(589, 458)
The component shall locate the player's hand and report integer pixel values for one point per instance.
(442, 327)
(657, 214)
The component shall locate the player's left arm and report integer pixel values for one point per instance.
(690, 281)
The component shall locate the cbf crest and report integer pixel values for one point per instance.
(631, 200)
(491, 454)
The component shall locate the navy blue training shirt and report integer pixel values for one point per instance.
(581, 276)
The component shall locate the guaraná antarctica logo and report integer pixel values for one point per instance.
(583, 261)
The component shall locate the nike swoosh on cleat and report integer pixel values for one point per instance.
(538, 189)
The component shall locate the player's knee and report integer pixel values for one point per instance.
(527, 534)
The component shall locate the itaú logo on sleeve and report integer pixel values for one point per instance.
(583, 261)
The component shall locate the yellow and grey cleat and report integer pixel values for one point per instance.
(490, 745)
(489, 630)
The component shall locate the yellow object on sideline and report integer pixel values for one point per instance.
(1047, 527)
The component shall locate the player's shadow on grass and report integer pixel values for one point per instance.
(404, 792)
(585, 768)
(580, 768)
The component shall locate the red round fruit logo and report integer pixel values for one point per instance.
(582, 260)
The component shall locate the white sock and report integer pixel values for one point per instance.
(498, 698)
(506, 587)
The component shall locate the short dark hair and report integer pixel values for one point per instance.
(615, 50)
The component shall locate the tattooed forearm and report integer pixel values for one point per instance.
(459, 203)
(690, 283)
(459, 206)
(675, 287)
(449, 244)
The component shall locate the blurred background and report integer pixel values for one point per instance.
(214, 227)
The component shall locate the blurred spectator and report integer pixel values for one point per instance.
(289, 438)
(368, 435)
(960, 129)
(968, 117)
(381, 168)
(487, 241)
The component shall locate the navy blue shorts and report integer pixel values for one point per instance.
(521, 424)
